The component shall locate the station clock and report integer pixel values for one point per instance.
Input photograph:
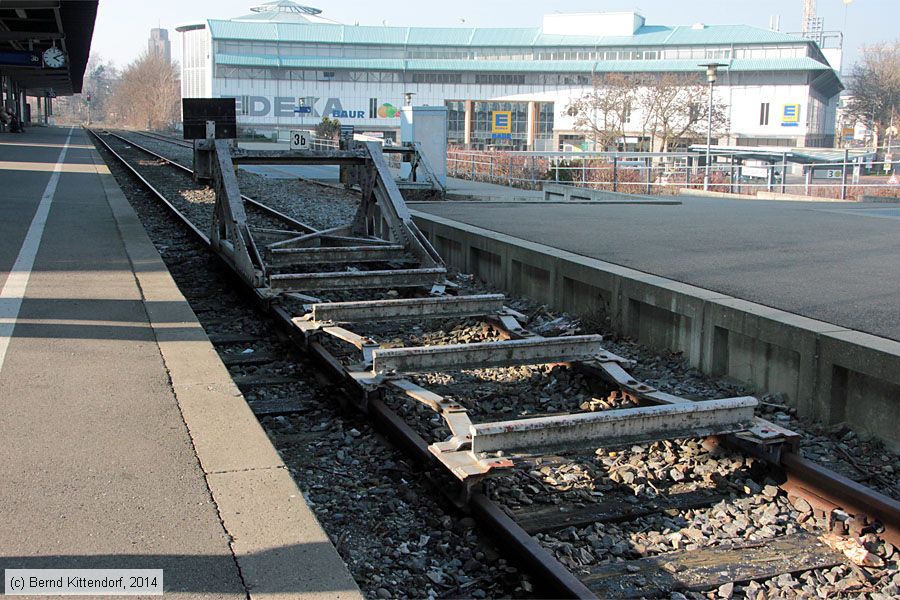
(54, 58)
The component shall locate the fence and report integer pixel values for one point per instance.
(666, 173)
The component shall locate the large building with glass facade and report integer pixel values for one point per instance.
(287, 66)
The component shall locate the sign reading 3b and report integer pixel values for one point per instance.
(300, 140)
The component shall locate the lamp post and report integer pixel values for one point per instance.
(711, 69)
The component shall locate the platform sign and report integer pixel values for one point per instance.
(829, 173)
(20, 59)
(346, 132)
(300, 140)
(790, 115)
(501, 122)
(197, 111)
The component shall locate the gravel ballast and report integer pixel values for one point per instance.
(400, 542)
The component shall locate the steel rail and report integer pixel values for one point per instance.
(194, 229)
(255, 203)
(822, 487)
(554, 577)
(163, 138)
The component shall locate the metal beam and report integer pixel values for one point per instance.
(24, 36)
(408, 308)
(347, 254)
(33, 4)
(611, 428)
(304, 238)
(350, 280)
(303, 157)
(528, 351)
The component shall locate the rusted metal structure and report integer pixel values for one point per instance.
(381, 240)
(382, 249)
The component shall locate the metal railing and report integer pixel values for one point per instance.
(667, 173)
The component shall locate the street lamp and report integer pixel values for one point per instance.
(711, 69)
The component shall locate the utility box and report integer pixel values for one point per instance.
(426, 125)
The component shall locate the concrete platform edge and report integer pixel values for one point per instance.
(280, 548)
(830, 373)
(764, 195)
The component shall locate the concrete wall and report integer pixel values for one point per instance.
(829, 373)
(556, 192)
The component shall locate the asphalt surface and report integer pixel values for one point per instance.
(97, 469)
(836, 262)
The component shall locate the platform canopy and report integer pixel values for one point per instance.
(29, 27)
(777, 154)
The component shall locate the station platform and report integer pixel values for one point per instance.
(124, 442)
(830, 261)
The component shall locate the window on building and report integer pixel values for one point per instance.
(766, 141)
(437, 78)
(545, 120)
(456, 121)
(481, 124)
(382, 76)
(764, 113)
(500, 79)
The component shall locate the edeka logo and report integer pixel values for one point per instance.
(388, 111)
(282, 106)
(790, 115)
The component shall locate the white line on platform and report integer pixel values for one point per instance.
(13, 291)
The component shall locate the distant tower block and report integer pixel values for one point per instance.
(159, 43)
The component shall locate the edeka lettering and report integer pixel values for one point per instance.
(284, 106)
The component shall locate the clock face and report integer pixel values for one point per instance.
(54, 58)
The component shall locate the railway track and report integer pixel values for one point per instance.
(605, 520)
(163, 138)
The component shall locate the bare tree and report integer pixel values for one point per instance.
(100, 79)
(604, 111)
(874, 86)
(677, 106)
(148, 93)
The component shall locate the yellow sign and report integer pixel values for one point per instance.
(501, 121)
(790, 116)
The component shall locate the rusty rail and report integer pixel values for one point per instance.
(826, 490)
(822, 488)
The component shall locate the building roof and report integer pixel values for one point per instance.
(35, 25)
(284, 11)
(517, 66)
(806, 156)
(648, 35)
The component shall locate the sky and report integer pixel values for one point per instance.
(123, 26)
